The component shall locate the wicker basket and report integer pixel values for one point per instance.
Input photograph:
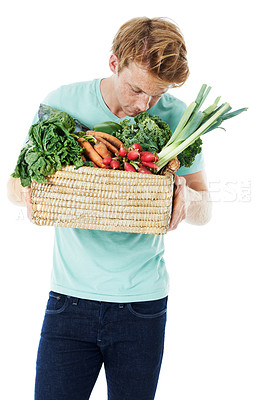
(103, 199)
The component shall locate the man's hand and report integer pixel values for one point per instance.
(19, 195)
(191, 200)
(179, 209)
(28, 201)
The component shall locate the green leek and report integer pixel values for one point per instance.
(195, 123)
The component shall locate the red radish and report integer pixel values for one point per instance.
(106, 167)
(122, 152)
(129, 167)
(146, 152)
(133, 155)
(150, 164)
(148, 157)
(137, 147)
(115, 164)
(144, 170)
(107, 160)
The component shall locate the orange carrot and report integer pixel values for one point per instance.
(91, 153)
(110, 138)
(110, 146)
(102, 150)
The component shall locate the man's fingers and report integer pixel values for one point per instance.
(27, 194)
(179, 181)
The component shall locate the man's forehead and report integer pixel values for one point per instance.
(140, 78)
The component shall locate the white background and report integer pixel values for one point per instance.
(216, 333)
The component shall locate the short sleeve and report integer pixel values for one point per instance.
(197, 166)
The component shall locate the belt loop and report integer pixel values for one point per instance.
(75, 301)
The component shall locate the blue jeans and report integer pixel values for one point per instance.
(78, 336)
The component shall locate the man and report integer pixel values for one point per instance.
(108, 298)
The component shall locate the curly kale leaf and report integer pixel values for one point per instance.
(188, 156)
(149, 131)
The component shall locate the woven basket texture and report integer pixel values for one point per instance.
(104, 199)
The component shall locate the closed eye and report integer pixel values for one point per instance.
(136, 90)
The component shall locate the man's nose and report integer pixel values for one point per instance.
(143, 102)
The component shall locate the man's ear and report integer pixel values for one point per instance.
(113, 63)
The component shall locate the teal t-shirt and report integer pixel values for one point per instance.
(104, 265)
